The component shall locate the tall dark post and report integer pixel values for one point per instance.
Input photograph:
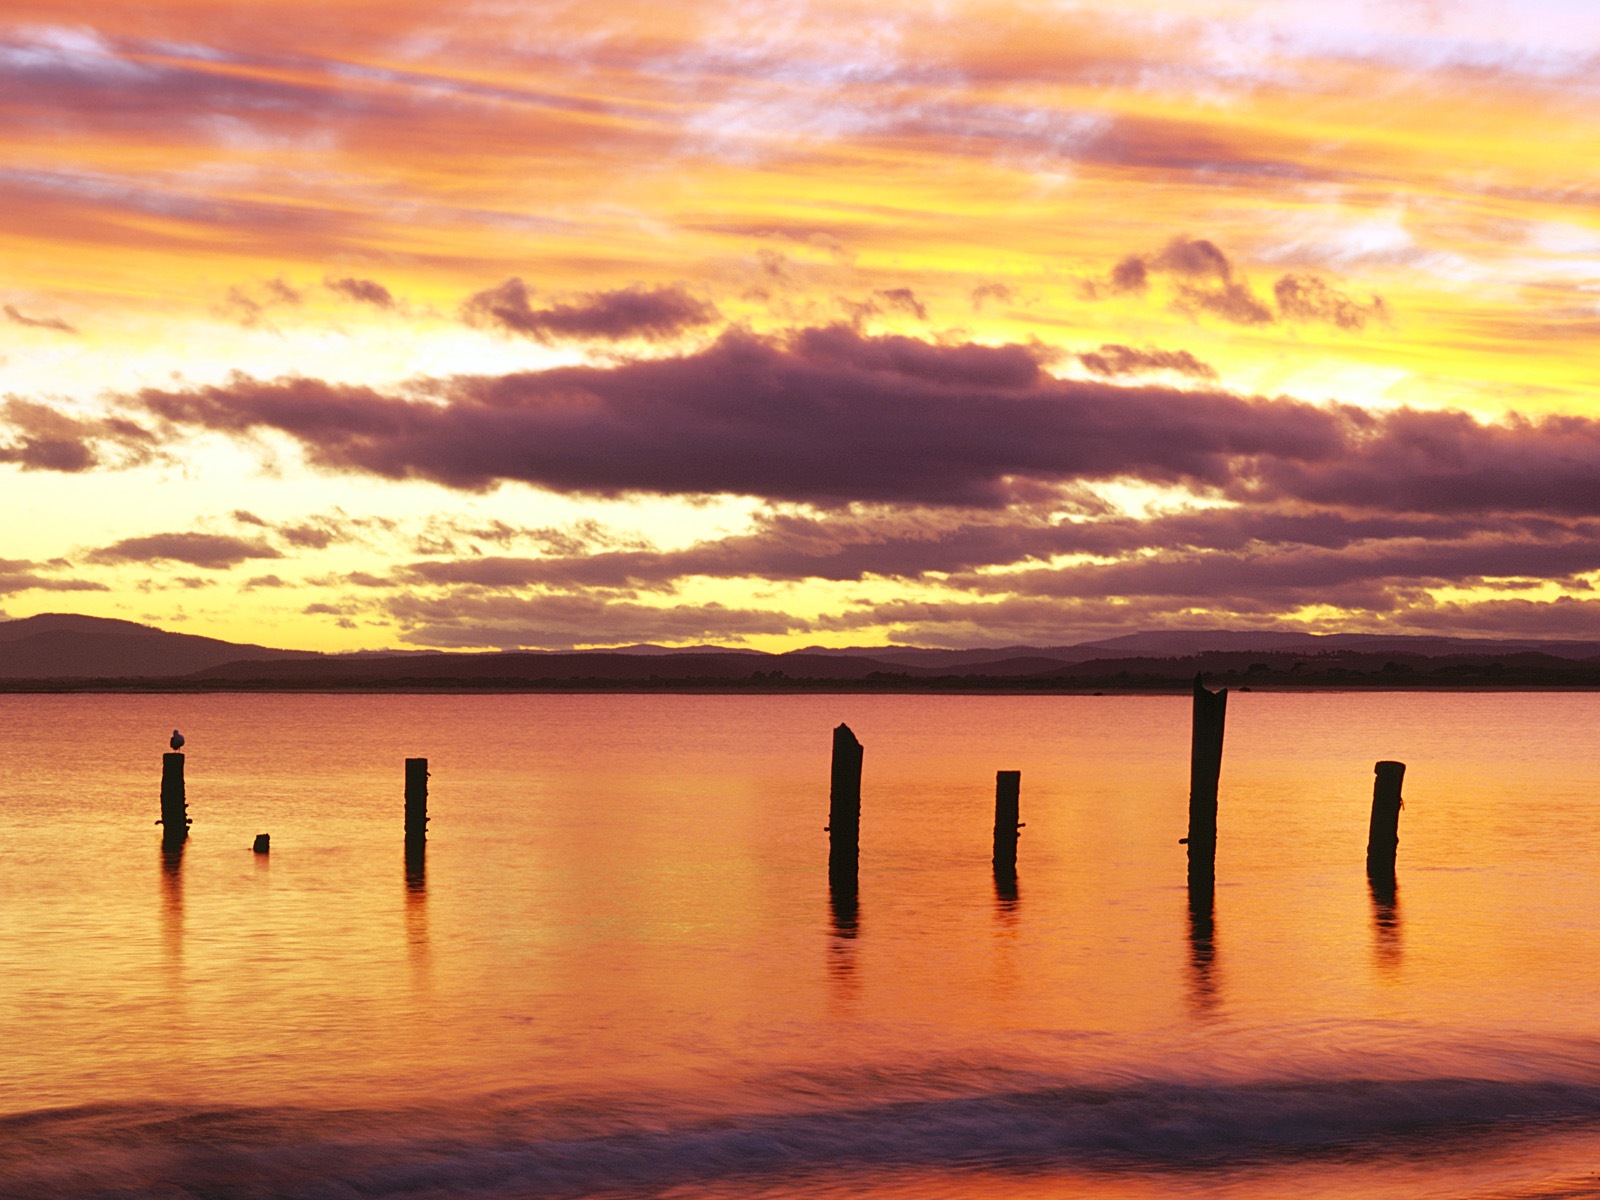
(1383, 832)
(844, 804)
(1205, 767)
(1007, 805)
(416, 801)
(174, 805)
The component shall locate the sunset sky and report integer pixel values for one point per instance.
(348, 324)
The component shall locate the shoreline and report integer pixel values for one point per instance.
(791, 688)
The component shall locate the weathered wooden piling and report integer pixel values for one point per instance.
(1205, 768)
(263, 843)
(1007, 808)
(174, 802)
(844, 803)
(1383, 831)
(416, 799)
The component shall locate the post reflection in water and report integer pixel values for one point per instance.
(1202, 946)
(844, 910)
(417, 901)
(172, 899)
(1007, 896)
(1386, 940)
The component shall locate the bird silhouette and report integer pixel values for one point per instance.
(177, 740)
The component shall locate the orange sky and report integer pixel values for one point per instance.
(348, 324)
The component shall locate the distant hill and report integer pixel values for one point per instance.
(62, 650)
(1183, 642)
(64, 646)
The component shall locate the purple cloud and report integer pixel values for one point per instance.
(655, 314)
(830, 417)
(21, 318)
(37, 437)
(827, 416)
(214, 551)
(1308, 298)
(20, 575)
(565, 621)
(362, 291)
(1112, 361)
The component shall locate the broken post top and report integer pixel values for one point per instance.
(842, 735)
(1200, 689)
(1389, 767)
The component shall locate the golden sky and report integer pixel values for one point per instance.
(347, 325)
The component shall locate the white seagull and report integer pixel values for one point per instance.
(177, 740)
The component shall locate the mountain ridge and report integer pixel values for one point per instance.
(67, 648)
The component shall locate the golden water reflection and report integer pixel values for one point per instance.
(416, 901)
(1387, 947)
(172, 901)
(629, 889)
(1202, 948)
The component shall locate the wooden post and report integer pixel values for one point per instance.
(1383, 832)
(1205, 768)
(174, 806)
(1007, 804)
(262, 844)
(844, 803)
(416, 799)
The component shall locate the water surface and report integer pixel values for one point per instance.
(619, 969)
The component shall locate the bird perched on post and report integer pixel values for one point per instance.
(177, 740)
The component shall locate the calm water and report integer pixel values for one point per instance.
(620, 971)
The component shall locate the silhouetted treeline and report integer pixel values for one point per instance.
(744, 672)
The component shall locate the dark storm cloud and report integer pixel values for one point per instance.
(214, 551)
(362, 291)
(1411, 461)
(652, 313)
(1287, 574)
(1227, 554)
(564, 621)
(1112, 361)
(37, 437)
(830, 417)
(21, 318)
(826, 416)
(1563, 617)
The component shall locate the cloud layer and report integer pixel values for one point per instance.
(828, 416)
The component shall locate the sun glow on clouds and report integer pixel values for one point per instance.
(807, 323)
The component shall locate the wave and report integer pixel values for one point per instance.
(134, 1153)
